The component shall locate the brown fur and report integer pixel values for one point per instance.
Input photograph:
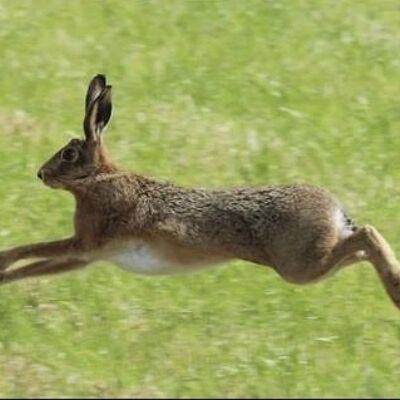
(299, 230)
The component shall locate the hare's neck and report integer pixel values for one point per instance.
(108, 188)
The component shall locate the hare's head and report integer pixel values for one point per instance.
(82, 158)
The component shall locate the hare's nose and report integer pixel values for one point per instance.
(40, 174)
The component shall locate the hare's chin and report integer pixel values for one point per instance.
(52, 183)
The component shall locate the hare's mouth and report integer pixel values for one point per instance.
(60, 182)
(51, 181)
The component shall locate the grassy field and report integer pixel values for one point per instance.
(209, 93)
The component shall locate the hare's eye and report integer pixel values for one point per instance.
(69, 155)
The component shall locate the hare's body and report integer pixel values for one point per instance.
(158, 228)
(154, 228)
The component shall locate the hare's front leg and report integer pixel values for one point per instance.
(44, 267)
(65, 247)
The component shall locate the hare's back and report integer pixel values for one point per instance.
(272, 207)
(259, 223)
(289, 223)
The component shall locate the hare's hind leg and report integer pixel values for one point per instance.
(382, 257)
(43, 267)
(367, 243)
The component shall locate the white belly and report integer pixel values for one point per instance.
(141, 258)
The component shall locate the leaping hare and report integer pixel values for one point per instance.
(151, 227)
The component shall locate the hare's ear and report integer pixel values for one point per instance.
(98, 115)
(96, 85)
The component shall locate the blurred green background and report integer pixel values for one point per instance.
(208, 93)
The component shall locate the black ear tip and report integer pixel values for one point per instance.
(101, 78)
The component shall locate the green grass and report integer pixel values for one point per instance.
(207, 93)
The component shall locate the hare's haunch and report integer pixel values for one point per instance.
(152, 227)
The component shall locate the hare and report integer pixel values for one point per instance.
(152, 227)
